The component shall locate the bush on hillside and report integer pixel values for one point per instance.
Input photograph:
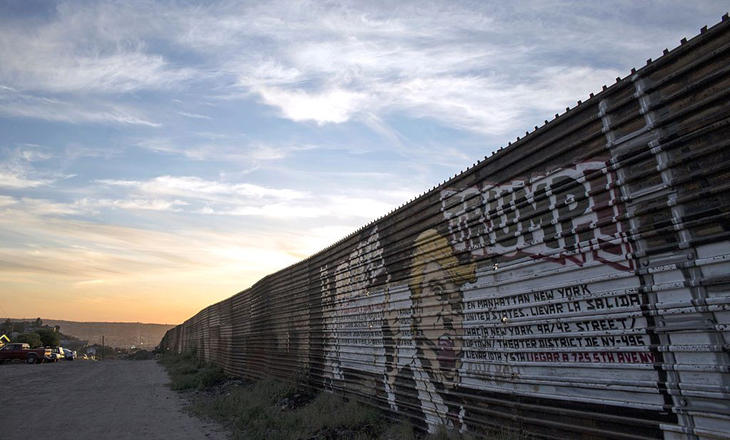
(49, 337)
(32, 339)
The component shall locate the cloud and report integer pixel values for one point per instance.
(206, 197)
(458, 66)
(7, 201)
(16, 171)
(17, 180)
(19, 167)
(336, 105)
(482, 103)
(330, 207)
(211, 149)
(193, 115)
(32, 153)
(79, 49)
(79, 251)
(44, 207)
(114, 73)
(134, 204)
(218, 147)
(16, 104)
(195, 187)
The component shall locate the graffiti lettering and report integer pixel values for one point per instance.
(552, 217)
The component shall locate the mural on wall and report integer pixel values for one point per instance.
(427, 321)
(532, 305)
(526, 280)
(566, 216)
(352, 311)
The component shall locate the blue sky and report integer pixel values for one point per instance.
(156, 157)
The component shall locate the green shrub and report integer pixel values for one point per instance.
(187, 372)
(281, 410)
(31, 339)
(49, 338)
(259, 410)
(209, 376)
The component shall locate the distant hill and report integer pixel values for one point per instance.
(116, 334)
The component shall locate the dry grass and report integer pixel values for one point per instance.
(187, 372)
(264, 410)
(279, 410)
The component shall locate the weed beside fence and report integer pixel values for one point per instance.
(280, 410)
(187, 372)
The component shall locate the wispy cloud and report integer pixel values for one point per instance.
(44, 207)
(205, 197)
(187, 186)
(33, 153)
(17, 104)
(193, 115)
(17, 180)
(17, 169)
(212, 147)
(81, 50)
(133, 204)
(329, 207)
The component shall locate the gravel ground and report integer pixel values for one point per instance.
(95, 400)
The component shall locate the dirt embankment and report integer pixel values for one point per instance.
(95, 400)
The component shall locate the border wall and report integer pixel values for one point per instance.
(575, 283)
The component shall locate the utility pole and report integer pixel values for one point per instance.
(101, 355)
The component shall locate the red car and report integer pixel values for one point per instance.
(23, 352)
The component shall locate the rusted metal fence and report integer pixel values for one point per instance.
(575, 283)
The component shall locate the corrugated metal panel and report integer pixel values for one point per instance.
(574, 283)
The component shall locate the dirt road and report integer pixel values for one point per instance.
(94, 400)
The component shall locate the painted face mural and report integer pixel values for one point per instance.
(437, 307)
(351, 309)
(436, 318)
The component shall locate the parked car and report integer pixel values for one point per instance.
(69, 354)
(58, 354)
(22, 351)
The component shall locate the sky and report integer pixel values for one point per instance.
(157, 157)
